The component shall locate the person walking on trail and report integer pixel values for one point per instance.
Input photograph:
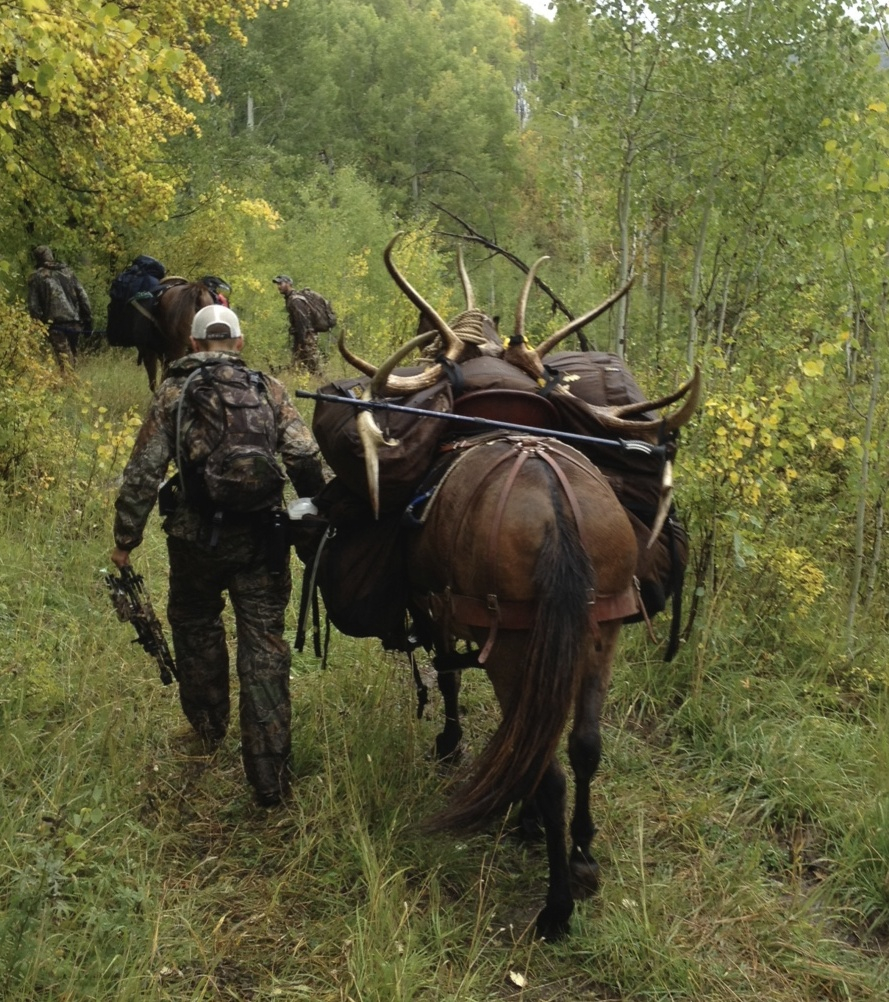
(303, 330)
(57, 299)
(224, 424)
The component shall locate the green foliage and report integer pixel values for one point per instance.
(416, 97)
(90, 93)
(29, 384)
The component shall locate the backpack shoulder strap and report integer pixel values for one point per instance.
(204, 373)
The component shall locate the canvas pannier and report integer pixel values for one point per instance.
(402, 466)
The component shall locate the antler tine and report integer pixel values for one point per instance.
(523, 298)
(453, 344)
(631, 410)
(464, 279)
(693, 387)
(354, 360)
(665, 502)
(578, 322)
(381, 376)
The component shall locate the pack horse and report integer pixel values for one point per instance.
(524, 551)
(165, 331)
(158, 323)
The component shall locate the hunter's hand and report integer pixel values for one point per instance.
(119, 557)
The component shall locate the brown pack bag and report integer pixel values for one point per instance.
(403, 465)
(604, 380)
(358, 567)
(635, 477)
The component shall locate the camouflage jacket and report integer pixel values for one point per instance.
(55, 295)
(155, 448)
(300, 315)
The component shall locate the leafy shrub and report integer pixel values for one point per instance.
(29, 395)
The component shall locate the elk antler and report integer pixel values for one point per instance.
(395, 386)
(578, 322)
(453, 345)
(468, 292)
(613, 417)
(402, 385)
(369, 432)
(523, 298)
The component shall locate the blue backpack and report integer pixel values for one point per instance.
(139, 279)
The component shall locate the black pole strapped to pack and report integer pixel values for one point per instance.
(629, 445)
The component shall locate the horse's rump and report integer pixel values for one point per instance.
(487, 522)
(177, 303)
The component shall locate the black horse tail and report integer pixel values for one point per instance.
(524, 744)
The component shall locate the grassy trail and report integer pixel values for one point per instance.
(743, 805)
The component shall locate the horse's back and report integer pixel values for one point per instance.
(489, 522)
(176, 306)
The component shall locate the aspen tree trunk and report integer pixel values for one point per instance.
(624, 225)
(623, 209)
(662, 292)
(695, 286)
(876, 554)
(861, 510)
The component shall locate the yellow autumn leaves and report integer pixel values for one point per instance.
(87, 92)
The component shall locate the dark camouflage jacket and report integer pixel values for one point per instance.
(155, 448)
(300, 315)
(55, 295)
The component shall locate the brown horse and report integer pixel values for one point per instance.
(525, 552)
(161, 331)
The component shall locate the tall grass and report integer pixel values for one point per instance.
(744, 826)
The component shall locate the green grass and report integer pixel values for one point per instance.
(742, 805)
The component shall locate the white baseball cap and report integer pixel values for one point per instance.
(215, 323)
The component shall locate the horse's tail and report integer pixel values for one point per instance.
(527, 738)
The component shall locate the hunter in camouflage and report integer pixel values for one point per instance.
(209, 555)
(303, 337)
(57, 299)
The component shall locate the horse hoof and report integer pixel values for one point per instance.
(448, 752)
(585, 875)
(554, 923)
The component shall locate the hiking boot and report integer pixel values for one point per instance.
(272, 798)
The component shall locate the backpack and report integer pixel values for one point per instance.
(143, 274)
(226, 437)
(321, 314)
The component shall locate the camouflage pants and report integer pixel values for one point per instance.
(198, 577)
(304, 350)
(63, 340)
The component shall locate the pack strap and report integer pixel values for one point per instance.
(309, 593)
(179, 405)
(468, 610)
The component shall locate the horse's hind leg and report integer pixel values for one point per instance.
(448, 742)
(149, 360)
(549, 800)
(584, 753)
